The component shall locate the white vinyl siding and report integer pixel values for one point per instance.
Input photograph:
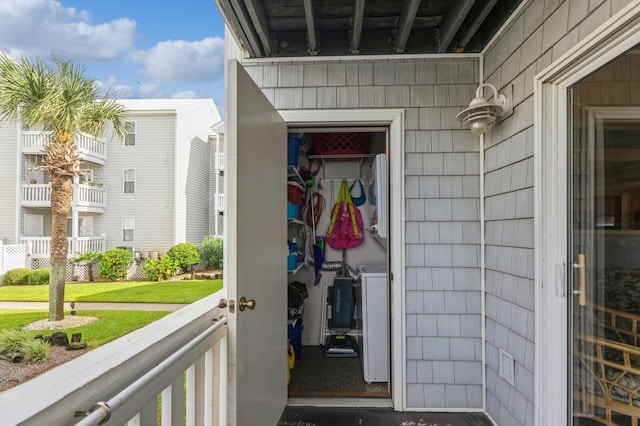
(192, 176)
(129, 181)
(9, 218)
(156, 158)
(130, 135)
(128, 228)
(153, 160)
(162, 148)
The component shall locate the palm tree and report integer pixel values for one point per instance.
(57, 97)
(88, 257)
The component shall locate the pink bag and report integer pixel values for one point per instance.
(345, 228)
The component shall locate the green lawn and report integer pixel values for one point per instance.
(110, 326)
(185, 291)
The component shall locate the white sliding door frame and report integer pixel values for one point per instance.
(551, 137)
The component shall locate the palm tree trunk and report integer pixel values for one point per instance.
(61, 193)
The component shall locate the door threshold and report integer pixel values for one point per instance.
(340, 402)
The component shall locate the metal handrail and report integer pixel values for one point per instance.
(101, 411)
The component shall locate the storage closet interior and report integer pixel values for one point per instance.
(338, 298)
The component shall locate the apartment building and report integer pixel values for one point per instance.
(146, 192)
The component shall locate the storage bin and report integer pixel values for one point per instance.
(351, 143)
(295, 195)
(293, 150)
(294, 330)
(293, 211)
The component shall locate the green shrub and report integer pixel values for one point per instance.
(184, 255)
(17, 276)
(18, 344)
(159, 269)
(114, 263)
(11, 340)
(211, 250)
(35, 350)
(39, 276)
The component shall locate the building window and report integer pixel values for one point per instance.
(128, 228)
(129, 179)
(130, 136)
(85, 226)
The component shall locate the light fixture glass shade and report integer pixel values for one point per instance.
(479, 127)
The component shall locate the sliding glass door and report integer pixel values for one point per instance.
(604, 247)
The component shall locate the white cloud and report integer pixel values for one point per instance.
(179, 60)
(150, 90)
(45, 28)
(122, 91)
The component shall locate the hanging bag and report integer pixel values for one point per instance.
(345, 228)
(362, 198)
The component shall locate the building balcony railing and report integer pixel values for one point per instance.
(219, 161)
(220, 202)
(89, 148)
(90, 198)
(182, 357)
(40, 247)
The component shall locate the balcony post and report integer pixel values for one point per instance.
(74, 225)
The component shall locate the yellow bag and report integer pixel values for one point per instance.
(291, 361)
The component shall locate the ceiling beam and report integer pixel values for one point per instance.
(473, 27)
(236, 16)
(356, 31)
(452, 21)
(256, 12)
(407, 15)
(311, 28)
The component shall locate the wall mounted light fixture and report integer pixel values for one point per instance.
(481, 112)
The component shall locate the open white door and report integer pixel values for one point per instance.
(255, 252)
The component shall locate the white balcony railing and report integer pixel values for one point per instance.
(91, 196)
(39, 195)
(180, 358)
(220, 202)
(36, 195)
(40, 247)
(219, 161)
(90, 148)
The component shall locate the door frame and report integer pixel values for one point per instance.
(394, 118)
(551, 136)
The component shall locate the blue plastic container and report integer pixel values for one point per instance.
(292, 261)
(293, 150)
(292, 211)
(295, 336)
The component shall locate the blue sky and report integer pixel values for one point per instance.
(138, 48)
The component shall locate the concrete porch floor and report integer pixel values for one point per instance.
(341, 416)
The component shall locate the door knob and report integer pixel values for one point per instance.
(244, 303)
